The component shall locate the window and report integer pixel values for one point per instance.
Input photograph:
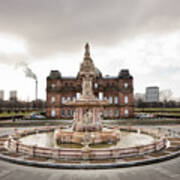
(126, 99)
(105, 113)
(111, 113)
(73, 112)
(125, 85)
(62, 113)
(100, 96)
(63, 100)
(126, 112)
(95, 85)
(68, 112)
(105, 98)
(68, 98)
(53, 85)
(53, 113)
(117, 113)
(115, 100)
(110, 100)
(77, 96)
(53, 99)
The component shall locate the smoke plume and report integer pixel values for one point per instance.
(27, 70)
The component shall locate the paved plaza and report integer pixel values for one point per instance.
(165, 171)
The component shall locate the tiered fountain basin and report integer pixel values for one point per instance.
(68, 136)
(87, 116)
(87, 124)
(19, 143)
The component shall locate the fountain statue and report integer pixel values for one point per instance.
(88, 111)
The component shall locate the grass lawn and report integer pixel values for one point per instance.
(157, 109)
(160, 111)
(5, 114)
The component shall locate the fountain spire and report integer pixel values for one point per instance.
(87, 51)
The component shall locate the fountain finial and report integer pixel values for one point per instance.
(87, 50)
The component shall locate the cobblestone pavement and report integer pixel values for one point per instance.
(161, 171)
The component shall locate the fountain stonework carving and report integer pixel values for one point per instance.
(88, 111)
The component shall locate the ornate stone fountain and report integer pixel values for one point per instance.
(87, 131)
(88, 112)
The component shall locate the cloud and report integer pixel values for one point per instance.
(51, 27)
(12, 59)
(49, 30)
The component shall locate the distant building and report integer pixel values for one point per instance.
(13, 95)
(1, 95)
(152, 94)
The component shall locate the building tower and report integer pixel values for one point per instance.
(1, 95)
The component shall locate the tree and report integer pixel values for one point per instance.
(165, 95)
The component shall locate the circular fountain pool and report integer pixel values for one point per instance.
(127, 139)
(41, 143)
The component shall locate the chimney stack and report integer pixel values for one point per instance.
(36, 90)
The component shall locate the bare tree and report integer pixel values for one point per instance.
(165, 95)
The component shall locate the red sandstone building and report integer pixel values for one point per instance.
(118, 90)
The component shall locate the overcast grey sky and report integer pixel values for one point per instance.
(142, 35)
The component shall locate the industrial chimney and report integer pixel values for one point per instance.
(36, 90)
